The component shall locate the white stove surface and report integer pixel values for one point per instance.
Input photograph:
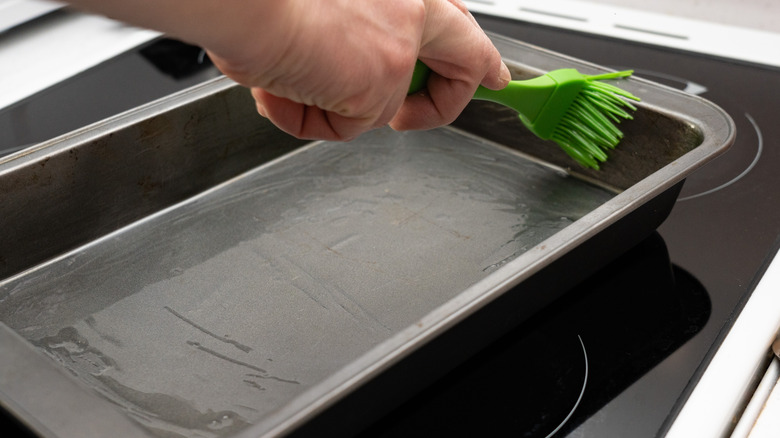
(16, 12)
(729, 382)
(666, 30)
(41, 53)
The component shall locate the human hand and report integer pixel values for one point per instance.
(333, 69)
(337, 68)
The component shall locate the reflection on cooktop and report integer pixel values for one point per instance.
(623, 320)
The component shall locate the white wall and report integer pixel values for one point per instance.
(755, 14)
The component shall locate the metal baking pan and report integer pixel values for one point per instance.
(186, 269)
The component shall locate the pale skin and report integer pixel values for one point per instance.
(333, 69)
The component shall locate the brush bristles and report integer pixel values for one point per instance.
(588, 129)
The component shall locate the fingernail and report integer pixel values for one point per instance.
(504, 75)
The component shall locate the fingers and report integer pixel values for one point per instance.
(461, 58)
(451, 43)
(439, 104)
(497, 81)
(310, 122)
(455, 41)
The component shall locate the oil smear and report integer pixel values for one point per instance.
(162, 415)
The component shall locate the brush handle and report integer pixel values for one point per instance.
(419, 77)
(526, 97)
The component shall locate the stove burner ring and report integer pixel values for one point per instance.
(695, 88)
(582, 391)
(759, 151)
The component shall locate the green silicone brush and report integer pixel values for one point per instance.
(576, 111)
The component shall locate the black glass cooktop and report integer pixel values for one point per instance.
(615, 357)
(645, 324)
